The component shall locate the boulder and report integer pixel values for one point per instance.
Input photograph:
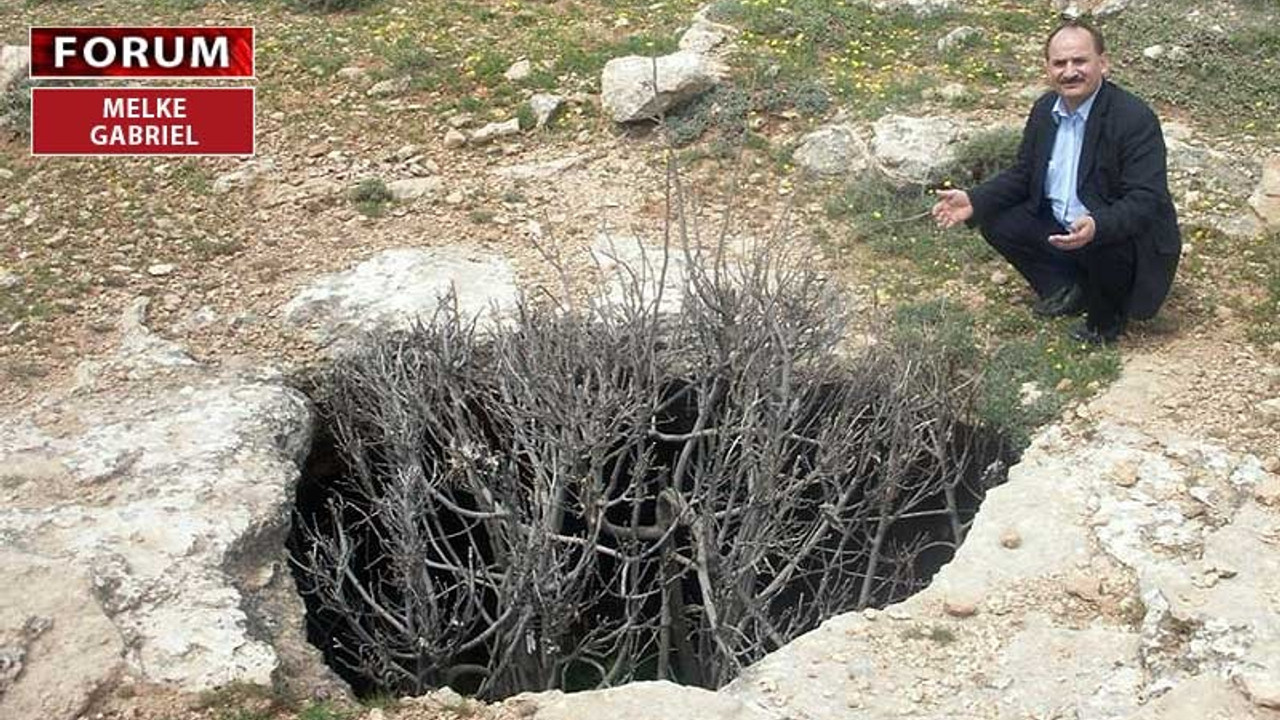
(393, 288)
(638, 88)
(914, 150)
(833, 150)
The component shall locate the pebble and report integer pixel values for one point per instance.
(161, 269)
(999, 277)
(960, 607)
(1010, 539)
(454, 139)
(1271, 463)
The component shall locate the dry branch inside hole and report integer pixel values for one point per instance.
(582, 498)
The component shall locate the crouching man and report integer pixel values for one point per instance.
(1084, 213)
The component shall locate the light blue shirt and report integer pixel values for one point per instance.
(1062, 178)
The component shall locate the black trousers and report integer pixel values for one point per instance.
(1104, 271)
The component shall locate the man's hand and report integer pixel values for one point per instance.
(953, 207)
(1081, 234)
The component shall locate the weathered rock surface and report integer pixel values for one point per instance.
(544, 107)
(1265, 199)
(646, 701)
(142, 523)
(833, 150)
(914, 149)
(631, 266)
(410, 189)
(637, 88)
(391, 289)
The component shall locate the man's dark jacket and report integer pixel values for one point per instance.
(1122, 180)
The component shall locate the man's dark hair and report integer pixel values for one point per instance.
(1098, 43)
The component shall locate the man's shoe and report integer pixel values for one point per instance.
(1067, 300)
(1087, 333)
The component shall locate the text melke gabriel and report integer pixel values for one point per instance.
(144, 108)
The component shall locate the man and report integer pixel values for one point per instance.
(1084, 213)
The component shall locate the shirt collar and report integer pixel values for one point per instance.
(1060, 108)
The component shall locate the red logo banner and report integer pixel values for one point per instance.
(142, 121)
(142, 52)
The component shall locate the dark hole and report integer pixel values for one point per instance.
(827, 580)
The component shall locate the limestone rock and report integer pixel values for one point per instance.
(496, 130)
(629, 92)
(629, 265)
(391, 289)
(706, 37)
(959, 38)
(1265, 199)
(833, 150)
(647, 701)
(519, 70)
(390, 86)
(410, 189)
(149, 500)
(914, 150)
(545, 107)
(309, 191)
(15, 62)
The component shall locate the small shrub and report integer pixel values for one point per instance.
(983, 156)
(15, 109)
(371, 196)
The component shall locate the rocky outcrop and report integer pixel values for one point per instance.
(393, 288)
(638, 88)
(142, 531)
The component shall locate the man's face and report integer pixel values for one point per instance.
(1074, 66)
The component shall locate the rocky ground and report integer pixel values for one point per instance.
(1123, 572)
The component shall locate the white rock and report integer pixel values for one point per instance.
(161, 269)
(913, 150)
(391, 289)
(519, 70)
(496, 130)
(1265, 199)
(545, 107)
(629, 92)
(409, 189)
(833, 150)
(961, 37)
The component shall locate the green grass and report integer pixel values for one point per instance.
(1228, 81)
(1024, 376)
